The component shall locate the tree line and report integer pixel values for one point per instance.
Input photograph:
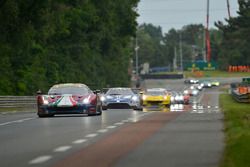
(230, 42)
(43, 42)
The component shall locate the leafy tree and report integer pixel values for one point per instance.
(234, 47)
(45, 42)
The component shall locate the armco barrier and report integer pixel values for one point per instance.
(17, 101)
(162, 76)
(242, 98)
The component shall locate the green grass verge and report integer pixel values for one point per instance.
(219, 74)
(30, 109)
(237, 132)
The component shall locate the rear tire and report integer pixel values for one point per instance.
(104, 108)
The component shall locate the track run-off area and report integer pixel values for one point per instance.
(181, 136)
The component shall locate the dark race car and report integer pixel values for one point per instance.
(191, 81)
(120, 98)
(69, 99)
(179, 98)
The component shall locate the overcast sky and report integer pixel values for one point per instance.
(177, 13)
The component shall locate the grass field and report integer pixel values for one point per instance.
(237, 132)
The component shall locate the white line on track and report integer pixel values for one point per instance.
(16, 121)
(91, 135)
(119, 123)
(111, 127)
(62, 149)
(102, 130)
(199, 100)
(40, 159)
(79, 141)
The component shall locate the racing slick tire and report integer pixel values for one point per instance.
(104, 108)
(98, 111)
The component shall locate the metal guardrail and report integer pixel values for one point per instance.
(17, 101)
(162, 76)
(242, 98)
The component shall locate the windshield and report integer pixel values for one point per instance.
(120, 91)
(155, 93)
(69, 90)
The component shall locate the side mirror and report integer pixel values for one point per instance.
(96, 91)
(39, 92)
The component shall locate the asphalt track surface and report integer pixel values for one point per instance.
(182, 136)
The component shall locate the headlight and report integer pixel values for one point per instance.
(144, 97)
(102, 98)
(109, 97)
(86, 101)
(195, 92)
(45, 100)
(172, 98)
(134, 98)
(165, 97)
(185, 91)
(209, 84)
(181, 98)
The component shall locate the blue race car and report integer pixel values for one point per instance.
(120, 98)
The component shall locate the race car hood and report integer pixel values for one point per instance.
(154, 98)
(66, 100)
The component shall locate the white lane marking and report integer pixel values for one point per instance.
(199, 100)
(16, 121)
(40, 159)
(102, 130)
(79, 141)
(62, 149)
(91, 135)
(111, 127)
(119, 123)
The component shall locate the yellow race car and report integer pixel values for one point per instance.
(215, 83)
(156, 97)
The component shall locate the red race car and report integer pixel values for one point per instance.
(69, 98)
